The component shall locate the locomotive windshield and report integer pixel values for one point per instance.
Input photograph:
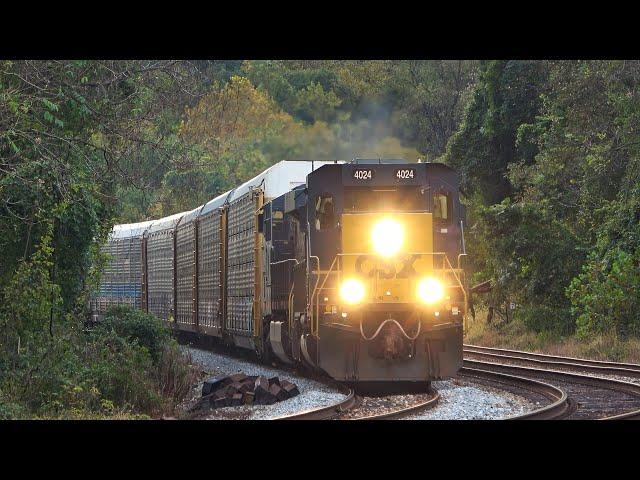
(384, 199)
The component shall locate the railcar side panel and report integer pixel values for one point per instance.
(160, 273)
(210, 265)
(185, 275)
(122, 278)
(241, 265)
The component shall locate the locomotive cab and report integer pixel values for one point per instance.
(386, 294)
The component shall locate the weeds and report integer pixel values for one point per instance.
(516, 335)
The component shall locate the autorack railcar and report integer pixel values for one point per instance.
(353, 268)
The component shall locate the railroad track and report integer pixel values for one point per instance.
(590, 397)
(421, 405)
(562, 394)
(342, 410)
(559, 406)
(557, 403)
(630, 370)
(326, 413)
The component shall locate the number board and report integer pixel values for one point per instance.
(363, 174)
(405, 174)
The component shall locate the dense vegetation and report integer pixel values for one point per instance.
(549, 156)
(548, 152)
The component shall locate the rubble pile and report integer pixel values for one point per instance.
(240, 389)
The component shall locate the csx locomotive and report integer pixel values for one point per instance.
(354, 268)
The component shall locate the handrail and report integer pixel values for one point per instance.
(290, 304)
(315, 312)
(314, 318)
(464, 292)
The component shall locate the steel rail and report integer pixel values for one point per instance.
(628, 388)
(595, 366)
(560, 406)
(403, 412)
(328, 412)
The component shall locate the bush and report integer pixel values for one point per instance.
(531, 257)
(122, 371)
(546, 318)
(175, 375)
(127, 366)
(9, 409)
(136, 325)
(604, 296)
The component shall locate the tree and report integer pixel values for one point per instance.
(429, 99)
(506, 96)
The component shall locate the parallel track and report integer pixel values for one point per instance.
(630, 370)
(592, 397)
(565, 394)
(559, 406)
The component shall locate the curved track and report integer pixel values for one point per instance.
(591, 397)
(557, 403)
(403, 412)
(326, 413)
(560, 406)
(352, 402)
(630, 370)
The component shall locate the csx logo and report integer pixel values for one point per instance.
(371, 266)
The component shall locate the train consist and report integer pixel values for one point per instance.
(354, 268)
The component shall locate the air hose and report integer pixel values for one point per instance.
(383, 324)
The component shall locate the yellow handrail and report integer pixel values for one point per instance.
(314, 318)
(290, 304)
(315, 305)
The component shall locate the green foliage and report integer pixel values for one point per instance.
(122, 369)
(30, 299)
(531, 257)
(506, 97)
(559, 141)
(605, 295)
(546, 319)
(128, 364)
(428, 101)
(313, 103)
(136, 325)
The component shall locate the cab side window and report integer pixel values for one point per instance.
(325, 214)
(441, 207)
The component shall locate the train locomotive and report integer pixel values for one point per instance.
(353, 268)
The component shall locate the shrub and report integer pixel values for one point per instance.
(122, 371)
(10, 410)
(175, 373)
(127, 366)
(604, 296)
(136, 325)
(546, 318)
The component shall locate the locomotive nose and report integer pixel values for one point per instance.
(387, 237)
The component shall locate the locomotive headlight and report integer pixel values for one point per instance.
(352, 291)
(430, 290)
(387, 237)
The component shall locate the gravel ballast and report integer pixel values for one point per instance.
(312, 394)
(460, 400)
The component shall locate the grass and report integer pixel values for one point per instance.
(515, 336)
